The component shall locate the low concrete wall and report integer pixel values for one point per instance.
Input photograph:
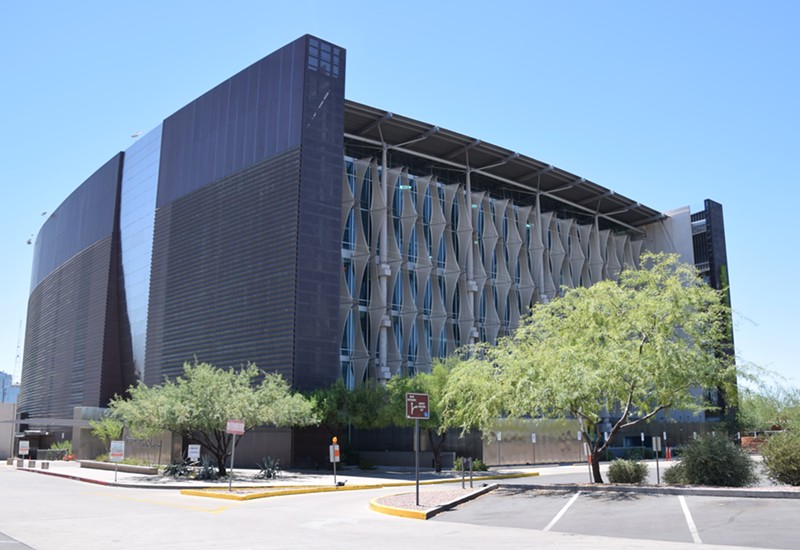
(129, 468)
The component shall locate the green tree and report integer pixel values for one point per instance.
(781, 453)
(106, 429)
(768, 408)
(199, 404)
(364, 407)
(624, 350)
(433, 384)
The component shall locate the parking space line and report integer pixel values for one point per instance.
(562, 512)
(690, 521)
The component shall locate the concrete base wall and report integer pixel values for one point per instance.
(7, 414)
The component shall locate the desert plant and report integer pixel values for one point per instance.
(106, 429)
(178, 468)
(65, 445)
(477, 464)
(270, 468)
(207, 470)
(781, 454)
(714, 460)
(627, 471)
(675, 475)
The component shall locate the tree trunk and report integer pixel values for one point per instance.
(437, 449)
(595, 458)
(221, 464)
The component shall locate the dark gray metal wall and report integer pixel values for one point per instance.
(246, 254)
(71, 338)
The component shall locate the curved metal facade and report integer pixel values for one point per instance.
(72, 353)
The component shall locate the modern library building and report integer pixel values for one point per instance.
(272, 221)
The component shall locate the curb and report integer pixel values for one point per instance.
(375, 506)
(213, 492)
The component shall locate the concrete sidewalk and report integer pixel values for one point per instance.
(385, 476)
(550, 477)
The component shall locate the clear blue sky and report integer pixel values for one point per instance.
(668, 103)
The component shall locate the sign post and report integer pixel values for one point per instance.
(116, 454)
(416, 409)
(533, 444)
(334, 455)
(657, 449)
(234, 427)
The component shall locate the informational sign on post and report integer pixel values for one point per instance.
(417, 408)
(657, 449)
(533, 438)
(193, 452)
(24, 447)
(334, 453)
(116, 452)
(234, 427)
(333, 449)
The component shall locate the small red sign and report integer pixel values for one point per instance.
(417, 406)
(235, 427)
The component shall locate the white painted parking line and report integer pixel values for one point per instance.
(562, 512)
(690, 521)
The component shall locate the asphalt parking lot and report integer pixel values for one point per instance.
(747, 522)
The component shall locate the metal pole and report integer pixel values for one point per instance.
(334, 468)
(416, 455)
(658, 472)
(233, 454)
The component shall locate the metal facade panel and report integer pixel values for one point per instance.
(65, 363)
(69, 229)
(224, 273)
(319, 261)
(245, 120)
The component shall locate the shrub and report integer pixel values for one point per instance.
(639, 453)
(675, 475)
(208, 471)
(64, 446)
(270, 467)
(781, 454)
(179, 468)
(477, 464)
(714, 460)
(132, 461)
(627, 471)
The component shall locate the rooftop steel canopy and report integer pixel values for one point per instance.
(508, 168)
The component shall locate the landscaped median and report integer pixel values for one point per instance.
(430, 502)
(251, 493)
